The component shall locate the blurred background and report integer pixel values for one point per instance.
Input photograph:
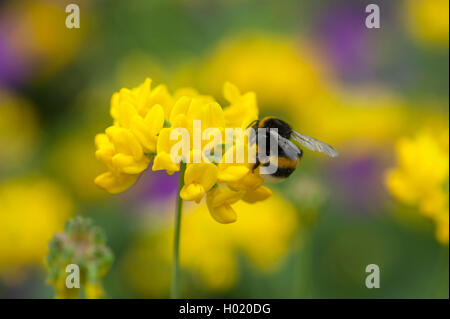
(380, 96)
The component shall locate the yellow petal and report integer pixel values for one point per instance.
(114, 103)
(204, 174)
(222, 195)
(257, 195)
(197, 110)
(214, 116)
(102, 141)
(154, 119)
(126, 111)
(163, 161)
(192, 192)
(232, 173)
(250, 181)
(164, 144)
(181, 120)
(125, 142)
(146, 130)
(115, 183)
(160, 95)
(180, 107)
(127, 164)
(223, 214)
(230, 92)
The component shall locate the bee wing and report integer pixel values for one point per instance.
(290, 149)
(313, 144)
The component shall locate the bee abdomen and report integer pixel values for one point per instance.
(284, 168)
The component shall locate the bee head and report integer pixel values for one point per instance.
(284, 129)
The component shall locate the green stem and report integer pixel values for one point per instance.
(175, 289)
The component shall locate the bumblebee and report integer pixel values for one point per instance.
(289, 154)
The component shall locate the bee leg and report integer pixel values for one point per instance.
(258, 163)
(255, 166)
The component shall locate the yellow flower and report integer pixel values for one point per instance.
(211, 251)
(141, 99)
(139, 116)
(129, 157)
(279, 70)
(139, 111)
(35, 34)
(199, 178)
(250, 181)
(162, 160)
(219, 201)
(428, 20)
(123, 155)
(185, 111)
(146, 124)
(115, 183)
(422, 175)
(74, 149)
(31, 211)
(242, 109)
(233, 173)
(229, 172)
(257, 195)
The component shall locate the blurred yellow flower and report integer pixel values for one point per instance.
(38, 34)
(75, 150)
(428, 20)
(19, 131)
(31, 211)
(364, 118)
(422, 175)
(281, 70)
(210, 251)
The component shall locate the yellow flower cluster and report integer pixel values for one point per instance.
(212, 253)
(145, 119)
(138, 118)
(31, 211)
(421, 177)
